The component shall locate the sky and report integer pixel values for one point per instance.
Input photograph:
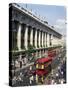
(54, 15)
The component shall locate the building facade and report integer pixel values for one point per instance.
(29, 34)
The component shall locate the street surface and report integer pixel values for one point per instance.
(56, 76)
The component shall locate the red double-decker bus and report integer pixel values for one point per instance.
(42, 68)
(43, 65)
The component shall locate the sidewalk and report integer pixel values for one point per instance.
(27, 65)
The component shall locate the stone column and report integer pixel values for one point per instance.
(42, 39)
(52, 39)
(36, 38)
(48, 40)
(31, 37)
(39, 38)
(45, 39)
(56, 41)
(19, 37)
(26, 37)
